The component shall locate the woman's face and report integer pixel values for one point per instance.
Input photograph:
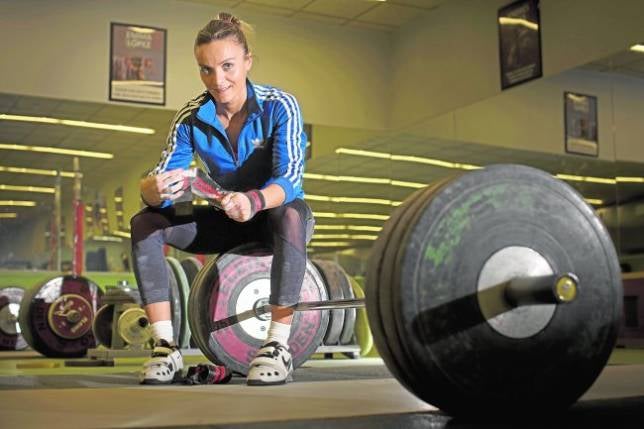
(223, 66)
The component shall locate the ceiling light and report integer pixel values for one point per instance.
(630, 179)
(344, 237)
(358, 179)
(107, 238)
(589, 179)
(20, 188)
(349, 227)
(17, 203)
(7, 215)
(121, 234)
(406, 158)
(351, 215)
(594, 201)
(57, 151)
(504, 20)
(71, 123)
(357, 200)
(330, 244)
(637, 48)
(35, 171)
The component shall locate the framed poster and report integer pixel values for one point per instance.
(519, 42)
(137, 64)
(580, 118)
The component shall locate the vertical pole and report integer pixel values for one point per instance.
(79, 213)
(56, 236)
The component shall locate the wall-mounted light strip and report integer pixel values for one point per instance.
(20, 188)
(359, 179)
(8, 215)
(35, 171)
(15, 203)
(348, 228)
(121, 234)
(72, 123)
(350, 215)
(56, 150)
(352, 200)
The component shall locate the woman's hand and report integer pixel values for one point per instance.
(237, 206)
(165, 186)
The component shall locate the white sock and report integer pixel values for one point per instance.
(162, 330)
(278, 332)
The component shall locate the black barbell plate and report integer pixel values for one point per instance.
(350, 314)
(373, 285)
(191, 267)
(468, 364)
(223, 288)
(387, 289)
(42, 319)
(10, 336)
(333, 272)
(183, 287)
(335, 291)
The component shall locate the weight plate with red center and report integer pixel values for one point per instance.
(56, 316)
(237, 281)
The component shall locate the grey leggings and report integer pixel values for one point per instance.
(286, 229)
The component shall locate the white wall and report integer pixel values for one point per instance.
(60, 49)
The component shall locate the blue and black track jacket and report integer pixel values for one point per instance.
(270, 146)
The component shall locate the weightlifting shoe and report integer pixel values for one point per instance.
(272, 365)
(165, 365)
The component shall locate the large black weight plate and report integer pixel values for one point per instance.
(176, 306)
(385, 341)
(334, 274)
(235, 282)
(183, 287)
(191, 267)
(56, 316)
(10, 335)
(462, 363)
(334, 291)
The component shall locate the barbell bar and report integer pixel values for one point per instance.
(550, 289)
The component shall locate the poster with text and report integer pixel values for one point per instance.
(580, 116)
(519, 42)
(137, 64)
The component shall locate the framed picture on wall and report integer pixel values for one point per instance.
(137, 64)
(580, 118)
(519, 42)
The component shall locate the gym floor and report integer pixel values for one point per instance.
(342, 393)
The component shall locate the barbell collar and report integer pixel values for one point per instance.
(548, 289)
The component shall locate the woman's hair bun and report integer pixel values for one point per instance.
(227, 17)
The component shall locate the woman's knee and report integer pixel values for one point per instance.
(145, 223)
